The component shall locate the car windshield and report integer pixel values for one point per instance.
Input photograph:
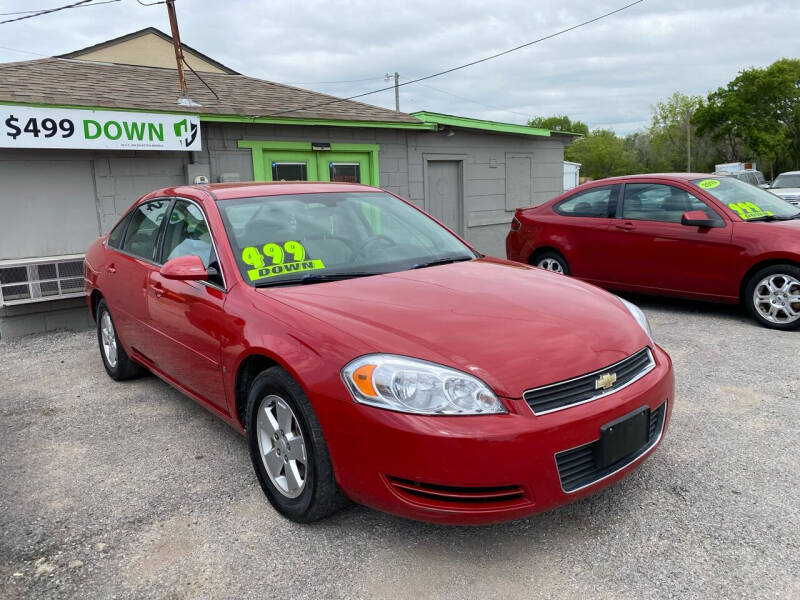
(750, 203)
(787, 180)
(307, 238)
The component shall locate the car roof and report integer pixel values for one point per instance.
(678, 176)
(250, 189)
(789, 173)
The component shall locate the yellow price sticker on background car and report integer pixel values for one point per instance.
(288, 257)
(708, 184)
(749, 210)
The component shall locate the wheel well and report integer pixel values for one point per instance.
(539, 251)
(95, 300)
(757, 267)
(249, 370)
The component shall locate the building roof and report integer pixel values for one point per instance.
(482, 125)
(188, 51)
(79, 83)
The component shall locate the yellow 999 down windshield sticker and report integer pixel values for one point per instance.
(749, 210)
(289, 257)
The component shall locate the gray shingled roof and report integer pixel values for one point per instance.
(83, 83)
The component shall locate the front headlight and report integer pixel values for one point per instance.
(416, 386)
(640, 317)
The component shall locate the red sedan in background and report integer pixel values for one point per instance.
(369, 353)
(691, 235)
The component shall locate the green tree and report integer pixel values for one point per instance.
(559, 123)
(758, 110)
(602, 154)
(671, 133)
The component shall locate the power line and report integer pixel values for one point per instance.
(331, 82)
(52, 10)
(464, 66)
(44, 10)
(513, 112)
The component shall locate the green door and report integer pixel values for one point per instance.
(274, 161)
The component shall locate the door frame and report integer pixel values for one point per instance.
(460, 159)
(262, 173)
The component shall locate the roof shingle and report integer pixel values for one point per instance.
(93, 84)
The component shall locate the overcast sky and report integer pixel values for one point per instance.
(607, 74)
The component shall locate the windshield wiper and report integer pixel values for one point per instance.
(774, 218)
(315, 278)
(442, 261)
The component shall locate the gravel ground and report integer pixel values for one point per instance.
(133, 491)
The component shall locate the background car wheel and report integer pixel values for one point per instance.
(552, 261)
(288, 451)
(118, 364)
(773, 296)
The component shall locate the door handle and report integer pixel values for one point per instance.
(627, 226)
(111, 269)
(158, 291)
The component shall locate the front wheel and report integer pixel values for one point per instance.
(552, 261)
(773, 297)
(116, 361)
(288, 451)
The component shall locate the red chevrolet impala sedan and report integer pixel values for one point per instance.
(368, 353)
(691, 235)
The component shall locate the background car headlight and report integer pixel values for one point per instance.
(416, 386)
(640, 317)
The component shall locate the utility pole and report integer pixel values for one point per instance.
(176, 42)
(396, 88)
(688, 140)
(397, 91)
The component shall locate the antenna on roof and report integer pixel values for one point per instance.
(184, 99)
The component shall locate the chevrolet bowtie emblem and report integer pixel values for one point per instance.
(605, 381)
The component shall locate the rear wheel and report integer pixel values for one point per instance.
(773, 297)
(552, 261)
(116, 361)
(288, 451)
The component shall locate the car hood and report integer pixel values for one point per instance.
(512, 325)
(785, 191)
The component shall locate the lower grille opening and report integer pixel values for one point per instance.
(458, 495)
(577, 469)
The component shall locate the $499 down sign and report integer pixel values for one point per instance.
(42, 127)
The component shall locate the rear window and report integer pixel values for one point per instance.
(596, 202)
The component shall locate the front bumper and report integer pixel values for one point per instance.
(483, 469)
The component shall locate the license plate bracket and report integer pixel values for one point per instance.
(622, 437)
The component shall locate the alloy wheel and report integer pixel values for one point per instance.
(109, 339)
(551, 264)
(777, 298)
(282, 446)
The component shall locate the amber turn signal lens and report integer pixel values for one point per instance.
(362, 377)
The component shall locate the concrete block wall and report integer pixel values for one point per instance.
(484, 156)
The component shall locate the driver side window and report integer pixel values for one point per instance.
(659, 202)
(187, 234)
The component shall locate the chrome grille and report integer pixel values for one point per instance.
(584, 388)
(577, 469)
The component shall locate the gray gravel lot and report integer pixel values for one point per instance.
(133, 491)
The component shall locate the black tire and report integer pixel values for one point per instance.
(551, 255)
(320, 496)
(124, 368)
(785, 270)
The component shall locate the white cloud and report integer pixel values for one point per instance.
(607, 74)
